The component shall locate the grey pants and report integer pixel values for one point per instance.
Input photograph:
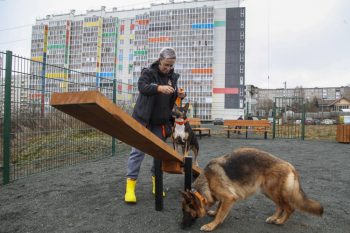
(136, 156)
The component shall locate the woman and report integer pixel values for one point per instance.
(157, 94)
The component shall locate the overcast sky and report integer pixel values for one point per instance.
(300, 42)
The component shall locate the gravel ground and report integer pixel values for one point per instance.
(88, 197)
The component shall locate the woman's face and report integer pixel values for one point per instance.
(165, 65)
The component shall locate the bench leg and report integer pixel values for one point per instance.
(209, 133)
(265, 134)
(200, 134)
(228, 133)
(246, 132)
(159, 184)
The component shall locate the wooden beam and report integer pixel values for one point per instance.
(96, 110)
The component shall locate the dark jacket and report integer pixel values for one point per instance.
(151, 106)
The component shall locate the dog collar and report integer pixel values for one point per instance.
(198, 195)
(182, 122)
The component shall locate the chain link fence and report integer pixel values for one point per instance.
(37, 137)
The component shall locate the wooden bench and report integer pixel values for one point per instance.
(195, 124)
(247, 126)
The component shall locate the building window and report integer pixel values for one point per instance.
(242, 24)
(242, 12)
(241, 57)
(241, 69)
(241, 46)
(241, 35)
(241, 103)
(241, 80)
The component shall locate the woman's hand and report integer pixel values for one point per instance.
(165, 89)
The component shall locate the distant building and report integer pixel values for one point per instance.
(340, 104)
(208, 35)
(325, 93)
(327, 97)
(19, 92)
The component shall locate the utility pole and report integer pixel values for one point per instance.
(285, 88)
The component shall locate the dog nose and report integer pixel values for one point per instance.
(187, 220)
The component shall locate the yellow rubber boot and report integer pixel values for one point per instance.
(130, 196)
(154, 186)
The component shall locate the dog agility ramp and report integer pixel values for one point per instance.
(96, 110)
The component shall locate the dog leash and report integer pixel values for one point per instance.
(163, 131)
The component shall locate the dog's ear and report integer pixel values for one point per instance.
(196, 200)
(174, 111)
(186, 106)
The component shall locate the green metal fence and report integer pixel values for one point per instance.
(37, 137)
(288, 118)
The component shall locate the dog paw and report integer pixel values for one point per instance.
(211, 213)
(208, 227)
(279, 221)
(270, 220)
(274, 220)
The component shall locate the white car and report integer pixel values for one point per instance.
(327, 122)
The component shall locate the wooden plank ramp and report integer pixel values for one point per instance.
(94, 109)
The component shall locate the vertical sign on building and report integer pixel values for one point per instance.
(99, 49)
(43, 70)
(66, 55)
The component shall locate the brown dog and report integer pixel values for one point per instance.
(234, 177)
(182, 134)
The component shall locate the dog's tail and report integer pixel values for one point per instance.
(301, 201)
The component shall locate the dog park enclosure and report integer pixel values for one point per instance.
(96, 110)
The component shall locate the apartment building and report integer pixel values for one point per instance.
(325, 93)
(208, 35)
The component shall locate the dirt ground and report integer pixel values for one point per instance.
(88, 197)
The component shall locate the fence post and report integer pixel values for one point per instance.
(303, 124)
(7, 119)
(114, 101)
(274, 120)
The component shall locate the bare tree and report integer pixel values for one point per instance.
(299, 92)
(312, 106)
(265, 105)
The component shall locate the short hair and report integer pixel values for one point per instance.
(167, 53)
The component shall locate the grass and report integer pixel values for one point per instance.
(312, 132)
(321, 132)
(39, 152)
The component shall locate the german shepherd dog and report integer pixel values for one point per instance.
(182, 134)
(236, 176)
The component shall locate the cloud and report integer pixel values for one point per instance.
(307, 44)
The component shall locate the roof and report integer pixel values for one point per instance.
(334, 102)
